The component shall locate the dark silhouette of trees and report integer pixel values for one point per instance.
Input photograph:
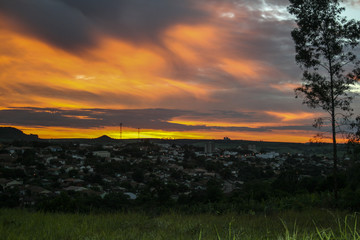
(214, 191)
(138, 175)
(325, 42)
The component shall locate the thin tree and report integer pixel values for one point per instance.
(325, 43)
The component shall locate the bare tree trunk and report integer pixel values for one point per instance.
(333, 128)
(335, 170)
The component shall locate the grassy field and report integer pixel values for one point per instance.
(317, 224)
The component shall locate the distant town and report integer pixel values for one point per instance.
(34, 170)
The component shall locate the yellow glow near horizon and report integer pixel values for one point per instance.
(113, 132)
(131, 133)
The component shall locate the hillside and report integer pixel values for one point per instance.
(10, 134)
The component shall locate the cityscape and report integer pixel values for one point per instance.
(152, 170)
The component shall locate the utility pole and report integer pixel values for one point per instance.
(121, 131)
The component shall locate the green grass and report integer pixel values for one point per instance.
(316, 224)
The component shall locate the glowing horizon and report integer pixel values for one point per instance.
(131, 133)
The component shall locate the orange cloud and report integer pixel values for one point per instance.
(249, 70)
(287, 116)
(202, 36)
(285, 87)
(113, 70)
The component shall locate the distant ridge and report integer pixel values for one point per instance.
(104, 138)
(10, 134)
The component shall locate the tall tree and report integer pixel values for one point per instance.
(325, 43)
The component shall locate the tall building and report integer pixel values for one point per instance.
(209, 147)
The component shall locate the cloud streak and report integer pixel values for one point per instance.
(158, 119)
(207, 65)
(75, 25)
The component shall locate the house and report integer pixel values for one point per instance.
(268, 155)
(102, 154)
(200, 172)
(13, 183)
(68, 168)
(73, 181)
(6, 157)
(211, 174)
(77, 157)
(228, 187)
(37, 190)
(118, 158)
(84, 145)
(54, 171)
(75, 189)
(21, 150)
(228, 153)
(54, 148)
(3, 182)
(132, 196)
(27, 201)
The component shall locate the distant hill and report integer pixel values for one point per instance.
(10, 134)
(104, 138)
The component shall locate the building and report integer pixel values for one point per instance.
(209, 147)
(252, 148)
(103, 154)
(269, 155)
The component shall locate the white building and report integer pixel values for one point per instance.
(268, 155)
(103, 154)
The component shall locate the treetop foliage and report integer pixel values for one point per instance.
(325, 39)
(323, 35)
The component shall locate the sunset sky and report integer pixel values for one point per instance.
(173, 68)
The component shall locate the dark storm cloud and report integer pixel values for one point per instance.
(277, 50)
(157, 119)
(262, 39)
(262, 98)
(87, 118)
(50, 20)
(73, 24)
(44, 117)
(137, 20)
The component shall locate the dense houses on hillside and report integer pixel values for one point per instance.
(33, 172)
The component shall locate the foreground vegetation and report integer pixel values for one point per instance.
(311, 224)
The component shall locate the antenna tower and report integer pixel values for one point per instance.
(121, 131)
